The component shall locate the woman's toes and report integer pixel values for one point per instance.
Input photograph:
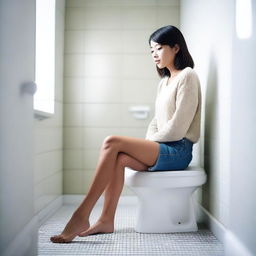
(55, 239)
(59, 239)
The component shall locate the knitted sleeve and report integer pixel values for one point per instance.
(152, 127)
(186, 105)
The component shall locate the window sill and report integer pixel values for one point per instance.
(41, 115)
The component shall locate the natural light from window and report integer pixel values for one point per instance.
(243, 19)
(45, 56)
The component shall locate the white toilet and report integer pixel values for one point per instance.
(165, 199)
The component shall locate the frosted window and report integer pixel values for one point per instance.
(45, 56)
(243, 18)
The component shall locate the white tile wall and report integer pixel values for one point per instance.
(94, 136)
(102, 90)
(74, 65)
(48, 176)
(108, 68)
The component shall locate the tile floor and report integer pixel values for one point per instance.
(125, 241)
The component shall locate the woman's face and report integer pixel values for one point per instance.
(163, 55)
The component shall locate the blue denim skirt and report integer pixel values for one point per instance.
(174, 155)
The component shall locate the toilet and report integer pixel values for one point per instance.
(165, 202)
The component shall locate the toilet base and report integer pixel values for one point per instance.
(165, 210)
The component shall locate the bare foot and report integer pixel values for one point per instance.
(98, 228)
(75, 226)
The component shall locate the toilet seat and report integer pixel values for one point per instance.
(192, 176)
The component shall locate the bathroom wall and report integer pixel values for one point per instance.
(242, 220)
(18, 226)
(48, 179)
(108, 68)
(210, 42)
(225, 65)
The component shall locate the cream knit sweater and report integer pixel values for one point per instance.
(177, 109)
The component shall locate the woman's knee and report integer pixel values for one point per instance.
(110, 142)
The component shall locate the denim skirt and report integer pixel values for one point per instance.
(174, 155)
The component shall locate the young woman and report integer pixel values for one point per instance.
(169, 139)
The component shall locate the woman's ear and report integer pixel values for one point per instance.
(177, 48)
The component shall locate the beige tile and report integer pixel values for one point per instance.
(74, 90)
(138, 67)
(110, 17)
(72, 181)
(74, 65)
(47, 164)
(48, 139)
(139, 17)
(93, 137)
(47, 190)
(76, 3)
(87, 177)
(168, 2)
(75, 18)
(139, 90)
(103, 41)
(90, 158)
(136, 41)
(73, 114)
(86, 3)
(136, 132)
(73, 159)
(168, 16)
(103, 65)
(135, 3)
(74, 41)
(102, 115)
(73, 137)
(102, 90)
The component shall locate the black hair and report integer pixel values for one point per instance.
(170, 35)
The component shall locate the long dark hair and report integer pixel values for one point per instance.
(170, 35)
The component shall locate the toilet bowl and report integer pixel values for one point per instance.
(165, 202)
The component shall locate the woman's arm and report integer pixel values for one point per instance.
(186, 107)
(152, 128)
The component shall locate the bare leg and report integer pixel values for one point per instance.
(105, 224)
(140, 149)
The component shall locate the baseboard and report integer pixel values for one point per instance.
(49, 210)
(25, 242)
(214, 225)
(234, 247)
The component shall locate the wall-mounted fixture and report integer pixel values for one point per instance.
(243, 19)
(29, 88)
(140, 112)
